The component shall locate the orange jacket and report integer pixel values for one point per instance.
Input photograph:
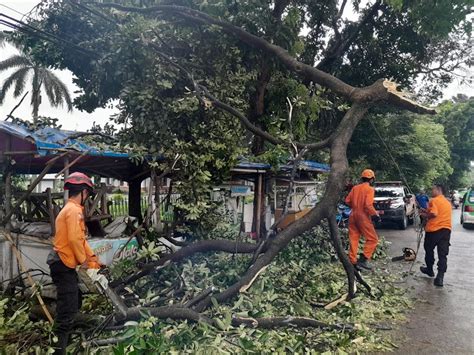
(361, 200)
(70, 238)
(441, 208)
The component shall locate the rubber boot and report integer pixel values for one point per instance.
(363, 263)
(438, 281)
(61, 345)
(427, 270)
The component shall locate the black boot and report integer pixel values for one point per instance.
(363, 263)
(427, 270)
(438, 281)
(61, 345)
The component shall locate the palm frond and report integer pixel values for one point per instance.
(57, 92)
(15, 61)
(12, 79)
(48, 87)
(21, 81)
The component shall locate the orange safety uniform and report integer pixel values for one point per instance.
(441, 208)
(361, 201)
(70, 239)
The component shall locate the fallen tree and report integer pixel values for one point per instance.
(361, 100)
(358, 99)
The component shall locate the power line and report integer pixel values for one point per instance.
(402, 176)
(12, 9)
(36, 32)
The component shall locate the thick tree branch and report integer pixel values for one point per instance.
(374, 93)
(318, 76)
(202, 246)
(256, 130)
(323, 209)
(341, 254)
(341, 42)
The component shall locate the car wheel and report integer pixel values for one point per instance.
(404, 222)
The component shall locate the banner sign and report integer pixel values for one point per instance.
(107, 249)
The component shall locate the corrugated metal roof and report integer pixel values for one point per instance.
(48, 140)
(309, 165)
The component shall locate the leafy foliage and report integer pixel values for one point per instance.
(20, 335)
(417, 144)
(457, 117)
(302, 277)
(129, 57)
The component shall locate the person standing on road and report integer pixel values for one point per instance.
(438, 233)
(422, 199)
(70, 251)
(361, 201)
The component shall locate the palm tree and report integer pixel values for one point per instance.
(41, 78)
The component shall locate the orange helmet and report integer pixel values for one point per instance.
(369, 174)
(78, 179)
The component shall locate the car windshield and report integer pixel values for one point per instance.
(471, 196)
(388, 192)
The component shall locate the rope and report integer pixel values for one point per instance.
(419, 226)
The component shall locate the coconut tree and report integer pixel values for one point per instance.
(41, 78)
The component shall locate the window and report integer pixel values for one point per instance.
(388, 192)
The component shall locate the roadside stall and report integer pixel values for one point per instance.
(27, 218)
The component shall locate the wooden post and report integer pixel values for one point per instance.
(8, 210)
(149, 210)
(52, 217)
(104, 203)
(66, 174)
(32, 186)
(258, 219)
(159, 225)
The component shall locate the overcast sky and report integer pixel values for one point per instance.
(77, 120)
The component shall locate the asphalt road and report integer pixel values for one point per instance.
(442, 321)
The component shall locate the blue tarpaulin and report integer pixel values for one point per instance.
(30, 150)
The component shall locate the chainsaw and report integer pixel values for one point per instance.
(93, 281)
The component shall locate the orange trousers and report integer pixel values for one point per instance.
(361, 224)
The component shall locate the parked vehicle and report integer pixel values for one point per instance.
(467, 208)
(343, 214)
(394, 203)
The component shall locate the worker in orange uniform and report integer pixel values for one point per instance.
(70, 251)
(438, 233)
(361, 201)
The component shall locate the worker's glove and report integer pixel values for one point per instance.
(377, 219)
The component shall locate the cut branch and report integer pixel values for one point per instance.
(276, 322)
(202, 246)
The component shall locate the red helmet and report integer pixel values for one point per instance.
(367, 173)
(78, 179)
